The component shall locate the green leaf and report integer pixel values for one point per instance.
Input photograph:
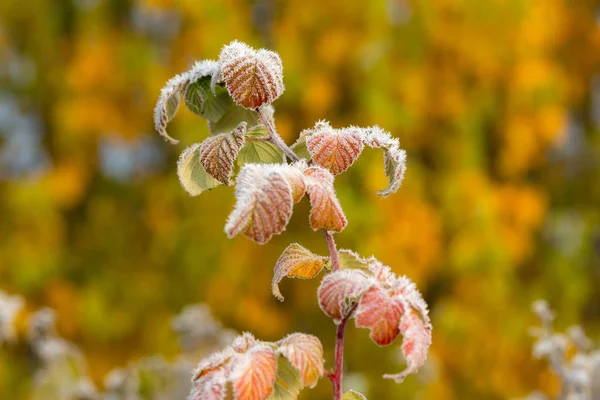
(287, 383)
(259, 152)
(232, 117)
(352, 395)
(192, 175)
(351, 260)
(200, 99)
(301, 150)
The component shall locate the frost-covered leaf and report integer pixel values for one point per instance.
(296, 262)
(288, 383)
(252, 77)
(264, 202)
(253, 373)
(326, 211)
(334, 149)
(394, 158)
(305, 352)
(192, 175)
(339, 289)
(379, 311)
(218, 153)
(198, 95)
(259, 151)
(167, 105)
(417, 339)
(352, 395)
(210, 377)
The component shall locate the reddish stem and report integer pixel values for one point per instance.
(336, 376)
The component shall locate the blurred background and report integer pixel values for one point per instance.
(497, 104)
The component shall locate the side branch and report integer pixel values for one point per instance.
(274, 136)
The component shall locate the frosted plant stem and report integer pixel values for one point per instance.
(337, 375)
(275, 138)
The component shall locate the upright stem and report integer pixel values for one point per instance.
(337, 375)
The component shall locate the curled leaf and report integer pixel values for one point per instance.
(169, 99)
(339, 289)
(394, 158)
(210, 377)
(296, 262)
(264, 202)
(417, 339)
(326, 211)
(253, 373)
(334, 149)
(218, 153)
(252, 77)
(198, 96)
(192, 175)
(305, 352)
(379, 311)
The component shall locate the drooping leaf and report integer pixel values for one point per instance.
(167, 105)
(259, 151)
(186, 84)
(326, 211)
(192, 175)
(288, 383)
(218, 153)
(264, 202)
(305, 352)
(380, 311)
(296, 262)
(198, 96)
(334, 149)
(253, 373)
(352, 395)
(394, 158)
(339, 289)
(415, 345)
(252, 77)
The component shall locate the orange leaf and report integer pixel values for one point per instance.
(218, 153)
(326, 211)
(379, 311)
(253, 373)
(305, 352)
(252, 77)
(296, 262)
(264, 202)
(339, 287)
(334, 149)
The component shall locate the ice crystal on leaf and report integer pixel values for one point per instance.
(380, 311)
(326, 211)
(218, 153)
(339, 289)
(251, 369)
(265, 196)
(296, 262)
(252, 77)
(334, 149)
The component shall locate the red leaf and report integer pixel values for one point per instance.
(252, 77)
(334, 149)
(296, 262)
(305, 352)
(326, 211)
(253, 373)
(379, 311)
(417, 339)
(218, 153)
(339, 288)
(264, 202)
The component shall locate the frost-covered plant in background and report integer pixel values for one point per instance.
(235, 95)
(570, 355)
